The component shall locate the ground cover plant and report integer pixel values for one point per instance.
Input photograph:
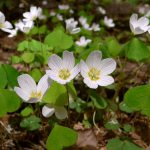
(75, 75)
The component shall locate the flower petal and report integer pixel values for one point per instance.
(90, 84)
(75, 30)
(107, 66)
(54, 76)
(44, 84)
(55, 62)
(68, 60)
(94, 59)
(47, 111)
(105, 80)
(27, 15)
(21, 93)
(61, 112)
(2, 18)
(8, 25)
(27, 83)
(84, 69)
(34, 100)
(74, 72)
(143, 21)
(133, 19)
(33, 10)
(138, 30)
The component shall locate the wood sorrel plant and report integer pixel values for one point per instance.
(95, 72)
(61, 90)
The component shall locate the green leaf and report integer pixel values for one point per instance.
(3, 104)
(113, 46)
(12, 75)
(72, 90)
(58, 40)
(138, 99)
(79, 105)
(26, 111)
(16, 59)
(31, 123)
(9, 101)
(43, 57)
(23, 46)
(3, 77)
(43, 29)
(128, 128)
(36, 74)
(34, 30)
(57, 141)
(98, 101)
(56, 95)
(133, 2)
(136, 50)
(37, 46)
(28, 57)
(123, 106)
(32, 45)
(87, 123)
(117, 144)
(112, 125)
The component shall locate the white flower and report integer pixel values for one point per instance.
(63, 7)
(145, 10)
(59, 17)
(44, 2)
(148, 14)
(21, 5)
(83, 42)
(96, 71)
(139, 26)
(83, 22)
(71, 11)
(29, 91)
(4, 25)
(95, 27)
(25, 27)
(52, 13)
(101, 10)
(49, 110)
(108, 22)
(62, 70)
(12, 32)
(35, 13)
(71, 26)
(87, 27)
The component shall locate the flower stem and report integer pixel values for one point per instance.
(68, 104)
(96, 126)
(39, 36)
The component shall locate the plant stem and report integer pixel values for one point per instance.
(39, 36)
(95, 122)
(68, 105)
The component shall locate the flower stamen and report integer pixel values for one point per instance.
(94, 74)
(64, 74)
(37, 95)
(1, 25)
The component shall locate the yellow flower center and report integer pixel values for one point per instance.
(37, 95)
(94, 74)
(1, 25)
(34, 18)
(64, 74)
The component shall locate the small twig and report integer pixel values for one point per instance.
(4, 127)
